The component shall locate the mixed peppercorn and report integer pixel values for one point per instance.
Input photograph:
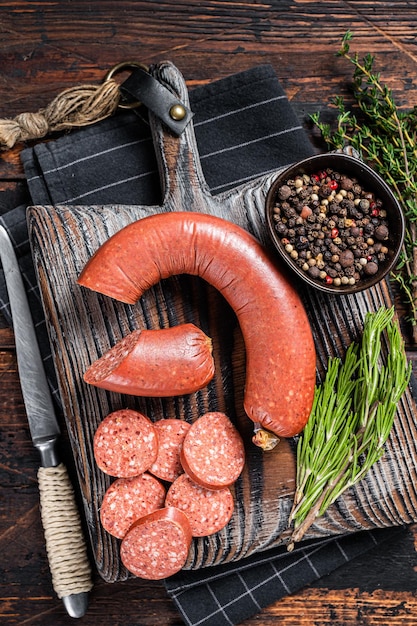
(333, 229)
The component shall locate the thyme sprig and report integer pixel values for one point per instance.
(352, 416)
(386, 138)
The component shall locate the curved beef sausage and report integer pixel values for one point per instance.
(280, 352)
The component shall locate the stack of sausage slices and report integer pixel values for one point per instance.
(172, 483)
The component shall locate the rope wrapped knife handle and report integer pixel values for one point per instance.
(65, 545)
(83, 105)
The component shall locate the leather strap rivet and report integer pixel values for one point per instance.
(177, 112)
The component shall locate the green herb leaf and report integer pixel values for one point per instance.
(352, 416)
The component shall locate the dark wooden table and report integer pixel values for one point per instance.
(48, 46)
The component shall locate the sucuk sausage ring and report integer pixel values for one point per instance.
(157, 545)
(280, 352)
(167, 362)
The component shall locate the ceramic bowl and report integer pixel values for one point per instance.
(371, 183)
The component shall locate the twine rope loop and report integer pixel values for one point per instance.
(73, 108)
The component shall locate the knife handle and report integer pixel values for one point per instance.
(65, 545)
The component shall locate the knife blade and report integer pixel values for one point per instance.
(65, 545)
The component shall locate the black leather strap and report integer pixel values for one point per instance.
(143, 87)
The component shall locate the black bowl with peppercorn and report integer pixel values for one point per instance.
(335, 222)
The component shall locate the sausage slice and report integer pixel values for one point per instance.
(208, 510)
(213, 453)
(157, 545)
(171, 434)
(129, 499)
(125, 444)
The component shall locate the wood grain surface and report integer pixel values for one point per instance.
(47, 46)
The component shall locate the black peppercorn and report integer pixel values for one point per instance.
(381, 232)
(284, 192)
(370, 268)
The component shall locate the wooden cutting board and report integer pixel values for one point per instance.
(83, 325)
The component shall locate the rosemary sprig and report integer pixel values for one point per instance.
(352, 416)
(386, 138)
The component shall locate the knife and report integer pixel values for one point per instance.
(65, 545)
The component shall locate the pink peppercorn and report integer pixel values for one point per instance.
(305, 212)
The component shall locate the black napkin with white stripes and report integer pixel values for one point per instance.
(245, 128)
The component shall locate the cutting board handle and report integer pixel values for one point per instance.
(182, 180)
